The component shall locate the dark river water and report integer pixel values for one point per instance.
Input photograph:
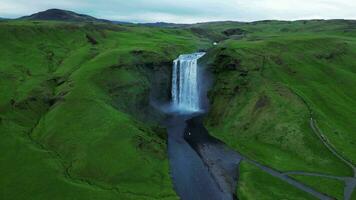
(191, 166)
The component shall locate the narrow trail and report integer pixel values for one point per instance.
(326, 143)
(341, 178)
(290, 180)
(350, 182)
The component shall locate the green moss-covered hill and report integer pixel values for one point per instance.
(75, 119)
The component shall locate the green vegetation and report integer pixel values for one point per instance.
(71, 110)
(268, 186)
(332, 187)
(268, 80)
(75, 119)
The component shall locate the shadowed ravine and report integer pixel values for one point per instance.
(203, 167)
(192, 177)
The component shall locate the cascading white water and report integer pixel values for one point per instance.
(185, 94)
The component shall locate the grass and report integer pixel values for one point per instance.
(257, 184)
(75, 119)
(332, 187)
(260, 109)
(263, 82)
(68, 119)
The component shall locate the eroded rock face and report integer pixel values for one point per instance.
(234, 31)
(138, 86)
(225, 62)
(91, 39)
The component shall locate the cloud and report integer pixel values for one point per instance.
(189, 11)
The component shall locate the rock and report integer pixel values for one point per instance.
(91, 40)
(234, 31)
(262, 102)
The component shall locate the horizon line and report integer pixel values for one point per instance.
(200, 22)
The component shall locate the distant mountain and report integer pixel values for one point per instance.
(62, 15)
(121, 22)
(163, 24)
(70, 16)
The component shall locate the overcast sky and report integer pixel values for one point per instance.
(189, 11)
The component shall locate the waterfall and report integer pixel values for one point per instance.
(185, 93)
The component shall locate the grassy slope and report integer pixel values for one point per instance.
(255, 108)
(60, 125)
(332, 187)
(71, 112)
(268, 186)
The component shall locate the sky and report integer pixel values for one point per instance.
(189, 11)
